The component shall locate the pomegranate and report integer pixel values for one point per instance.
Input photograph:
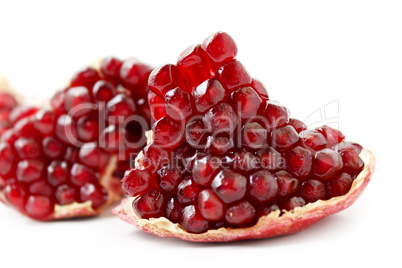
(228, 163)
(68, 160)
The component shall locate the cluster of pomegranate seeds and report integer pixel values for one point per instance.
(223, 154)
(58, 156)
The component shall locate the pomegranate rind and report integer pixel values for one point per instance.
(76, 210)
(268, 226)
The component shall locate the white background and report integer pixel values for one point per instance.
(307, 53)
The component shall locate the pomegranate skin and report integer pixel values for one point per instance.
(268, 226)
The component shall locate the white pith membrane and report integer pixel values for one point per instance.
(111, 183)
(271, 225)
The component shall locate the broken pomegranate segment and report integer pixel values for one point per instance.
(231, 164)
(67, 161)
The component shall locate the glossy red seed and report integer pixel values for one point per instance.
(233, 75)
(57, 172)
(221, 118)
(254, 136)
(24, 127)
(340, 185)
(246, 102)
(78, 102)
(208, 94)
(263, 187)
(92, 156)
(266, 210)
(270, 158)
(260, 89)
(174, 210)
(112, 139)
(204, 170)
(38, 206)
(150, 204)
(313, 190)
(169, 178)
(58, 102)
(187, 191)
(196, 132)
(299, 162)
(66, 130)
(163, 79)
(87, 128)
(134, 76)
(27, 148)
(168, 133)
(245, 162)
(29, 170)
(87, 77)
(276, 114)
(312, 140)
(287, 184)
(229, 186)
(110, 67)
(15, 195)
(333, 136)
(193, 65)
(7, 101)
(155, 156)
(120, 108)
(44, 121)
(21, 111)
(220, 48)
(103, 91)
(137, 181)
(350, 156)
(210, 206)
(242, 214)
(80, 175)
(284, 138)
(298, 125)
(94, 193)
(41, 188)
(293, 203)
(219, 146)
(157, 106)
(65, 194)
(193, 221)
(178, 104)
(326, 164)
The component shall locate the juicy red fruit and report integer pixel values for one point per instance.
(59, 156)
(242, 156)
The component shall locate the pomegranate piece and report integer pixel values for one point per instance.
(235, 165)
(64, 162)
